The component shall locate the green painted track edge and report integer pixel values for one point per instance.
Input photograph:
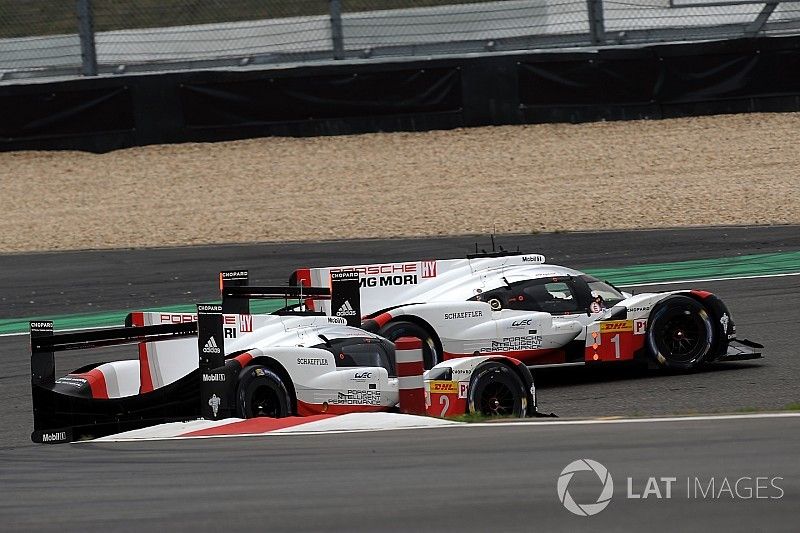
(728, 267)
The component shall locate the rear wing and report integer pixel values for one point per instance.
(44, 342)
(341, 291)
(236, 295)
(236, 292)
(60, 414)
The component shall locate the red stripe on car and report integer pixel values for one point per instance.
(310, 409)
(303, 277)
(243, 359)
(531, 357)
(701, 294)
(97, 383)
(382, 319)
(145, 378)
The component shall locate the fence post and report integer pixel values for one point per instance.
(86, 33)
(757, 25)
(597, 26)
(337, 36)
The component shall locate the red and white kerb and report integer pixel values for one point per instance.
(410, 370)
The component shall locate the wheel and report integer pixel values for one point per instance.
(430, 352)
(261, 392)
(680, 333)
(495, 390)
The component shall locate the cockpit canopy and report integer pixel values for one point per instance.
(357, 352)
(558, 295)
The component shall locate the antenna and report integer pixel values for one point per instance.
(493, 248)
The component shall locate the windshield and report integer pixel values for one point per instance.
(610, 296)
(551, 295)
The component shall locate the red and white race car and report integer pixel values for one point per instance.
(222, 363)
(517, 305)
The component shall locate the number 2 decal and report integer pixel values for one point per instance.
(444, 400)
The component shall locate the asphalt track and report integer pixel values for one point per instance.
(463, 479)
(452, 479)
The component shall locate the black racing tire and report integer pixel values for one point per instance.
(496, 390)
(261, 392)
(431, 354)
(680, 333)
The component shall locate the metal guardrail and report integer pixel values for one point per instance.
(105, 36)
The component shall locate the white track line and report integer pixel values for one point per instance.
(526, 423)
(703, 280)
(584, 422)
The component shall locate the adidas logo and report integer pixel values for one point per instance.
(211, 346)
(346, 309)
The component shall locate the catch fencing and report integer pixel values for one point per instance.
(68, 37)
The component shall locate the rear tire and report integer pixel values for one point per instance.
(680, 333)
(496, 390)
(261, 392)
(431, 355)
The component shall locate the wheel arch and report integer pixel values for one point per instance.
(280, 370)
(715, 308)
(664, 302)
(522, 372)
(421, 322)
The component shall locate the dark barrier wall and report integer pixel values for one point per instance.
(102, 114)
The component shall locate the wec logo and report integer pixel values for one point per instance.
(585, 509)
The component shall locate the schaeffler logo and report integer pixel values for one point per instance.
(585, 509)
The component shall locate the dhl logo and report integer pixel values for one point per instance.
(444, 387)
(616, 325)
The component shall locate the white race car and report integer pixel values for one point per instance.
(218, 365)
(516, 305)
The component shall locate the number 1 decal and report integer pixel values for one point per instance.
(615, 340)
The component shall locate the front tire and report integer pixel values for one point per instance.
(431, 355)
(261, 392)
(496, 390)
(680, 334)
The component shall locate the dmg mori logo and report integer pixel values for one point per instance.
(585, 509)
